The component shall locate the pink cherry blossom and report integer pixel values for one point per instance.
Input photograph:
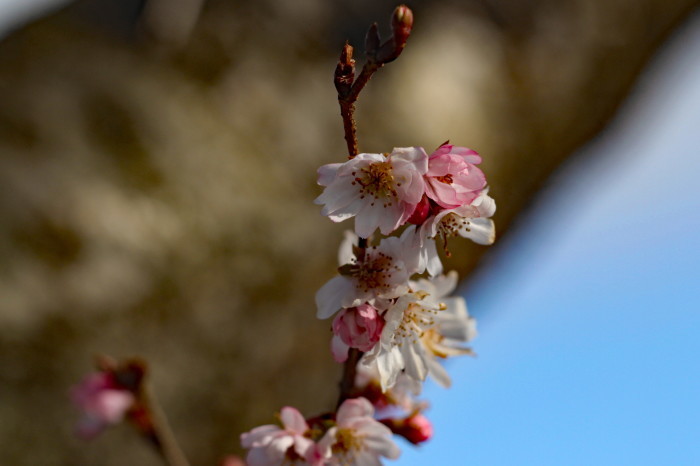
(271, 445)
(102, 401)
(357, 327)
(380, 190)
(357, 439)
(453, 179)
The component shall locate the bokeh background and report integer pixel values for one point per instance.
(157, 165)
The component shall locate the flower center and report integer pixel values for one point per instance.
(447, 179)
(450, 225)
(374, 272)
(346, 442)
(376, 180)
(415, 319)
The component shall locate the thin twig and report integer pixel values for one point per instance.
(160, 433)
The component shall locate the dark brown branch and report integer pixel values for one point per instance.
(347, 382)
(377, 56)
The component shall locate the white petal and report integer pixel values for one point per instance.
(259, 435)
(336, 196)
(330, 298)
(479, 230)
(445, 284)
(368, 219)
(353, 408)
(433, 264)
(390, 364)
(439, 373)
(414, 361)
(339, 349)
(345, 254)
(326, 173)
(293, 421)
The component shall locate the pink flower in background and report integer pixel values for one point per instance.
(381, 191)
(357, 439)
(453, 179)
(357, 327)
(102, 401)
(271, 445)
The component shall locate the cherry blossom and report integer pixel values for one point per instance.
(453, 180)
(382, 191)
(271, 445)
(357, 439)
(399, 348)
(468, 221)
(375, 275)
(357, 327)
(421, 327)
(453, 326)
(102, 401)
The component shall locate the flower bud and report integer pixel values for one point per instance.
(359, 327)
(415, 428)
(372, 40)
(421, 212)
(401, 25)
(344, 71)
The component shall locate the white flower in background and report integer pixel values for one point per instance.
(453, 326)
(421, 327)
(380, 190)
(375, 275)
(271, 445)
(400, 348)
(357, 439)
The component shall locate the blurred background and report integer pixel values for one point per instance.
(157, 167)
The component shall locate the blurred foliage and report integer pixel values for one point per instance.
(158, 167)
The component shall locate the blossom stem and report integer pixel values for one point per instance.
(347, 382)
(158, 430)
(378, 54)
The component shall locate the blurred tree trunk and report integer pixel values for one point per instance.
(158, 167)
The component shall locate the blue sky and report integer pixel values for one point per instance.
(589, 316)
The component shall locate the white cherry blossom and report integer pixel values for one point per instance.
(357, 439)
(374, 275)
(380, 190)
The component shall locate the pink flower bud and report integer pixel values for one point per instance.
(401, 24)
(415, 428)
(421, 212)
(359, 327)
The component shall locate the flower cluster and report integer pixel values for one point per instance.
(403, 323)
(390, 301)
(351, 437)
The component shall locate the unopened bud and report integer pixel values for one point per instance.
(415, 428)
(401, 24)
(421, 212)
(372, 41)
(345, 71)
